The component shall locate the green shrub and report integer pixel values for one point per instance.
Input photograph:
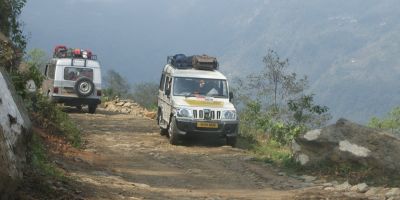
(284, 133)
(44, 113)
(49, 116)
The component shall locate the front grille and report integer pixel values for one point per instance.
(195, 114)
(207, 114)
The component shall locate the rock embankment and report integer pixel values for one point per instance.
(14, 134)
(129, 107)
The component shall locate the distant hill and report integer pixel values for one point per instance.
(348, 49)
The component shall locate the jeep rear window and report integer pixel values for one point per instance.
(73, 73)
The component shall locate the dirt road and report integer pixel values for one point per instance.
(126, 158)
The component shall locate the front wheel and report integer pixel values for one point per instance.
(163, 131)
(173, 132)
(92, 108)
(231, 141)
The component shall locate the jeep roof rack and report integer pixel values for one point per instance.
(201, 62)
(61, 51)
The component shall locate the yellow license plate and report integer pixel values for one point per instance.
(207, 125)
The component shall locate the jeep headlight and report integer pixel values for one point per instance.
(229, 114)
(184, 112)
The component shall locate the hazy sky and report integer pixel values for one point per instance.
(132, 37)
(341, 45)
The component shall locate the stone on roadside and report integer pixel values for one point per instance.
(127, 104)
(120, 103)
(125, 110)
(361, 188)
(373, 191)
(307, 178)
(394, 192)
(343, 187)
(151, 115)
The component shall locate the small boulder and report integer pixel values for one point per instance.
(151, 115)
(348, 142)
(394, 193)
(361, 188)
(343, 187)
(121, 103)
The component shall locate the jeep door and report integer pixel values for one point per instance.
(48, 82)
(164, 96)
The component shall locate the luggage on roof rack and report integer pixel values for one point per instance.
(203, 62)
(61, 51)
(180, 61)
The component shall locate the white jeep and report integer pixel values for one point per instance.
(73, 77)
(195, 98)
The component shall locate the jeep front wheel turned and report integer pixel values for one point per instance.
(84, 87)
(231, 141)
(163, 131)
(173, 132)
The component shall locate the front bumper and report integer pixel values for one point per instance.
(75, 101)
(225, 128)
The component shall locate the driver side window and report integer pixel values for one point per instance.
(168, 82)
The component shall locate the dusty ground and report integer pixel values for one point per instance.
(125, 157)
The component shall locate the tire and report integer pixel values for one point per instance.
(84, 87)
(92, 108)
(173, 132)
(231, 141)
(79, 108)
(163, 131)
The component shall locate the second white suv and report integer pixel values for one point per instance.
(73, 78)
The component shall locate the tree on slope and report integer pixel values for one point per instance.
(115, 85)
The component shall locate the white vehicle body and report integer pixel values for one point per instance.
(73, 82)
(181, 113)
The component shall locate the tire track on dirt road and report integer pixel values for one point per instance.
(132, 161)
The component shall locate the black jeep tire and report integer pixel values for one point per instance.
(79, 108)
(163, 131)
(92, 108)
(231, 141)
(173, 132)
(84, 87)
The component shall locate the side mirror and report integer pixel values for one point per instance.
(167, 92)
(230, 96)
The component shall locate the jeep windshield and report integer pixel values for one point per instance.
(200, 87)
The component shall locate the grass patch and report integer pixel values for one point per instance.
(268, 151)
(49, 116)
(40, 161)
(272, 152)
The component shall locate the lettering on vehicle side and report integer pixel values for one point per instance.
(203, 103)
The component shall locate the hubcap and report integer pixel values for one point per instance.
(85, 87)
